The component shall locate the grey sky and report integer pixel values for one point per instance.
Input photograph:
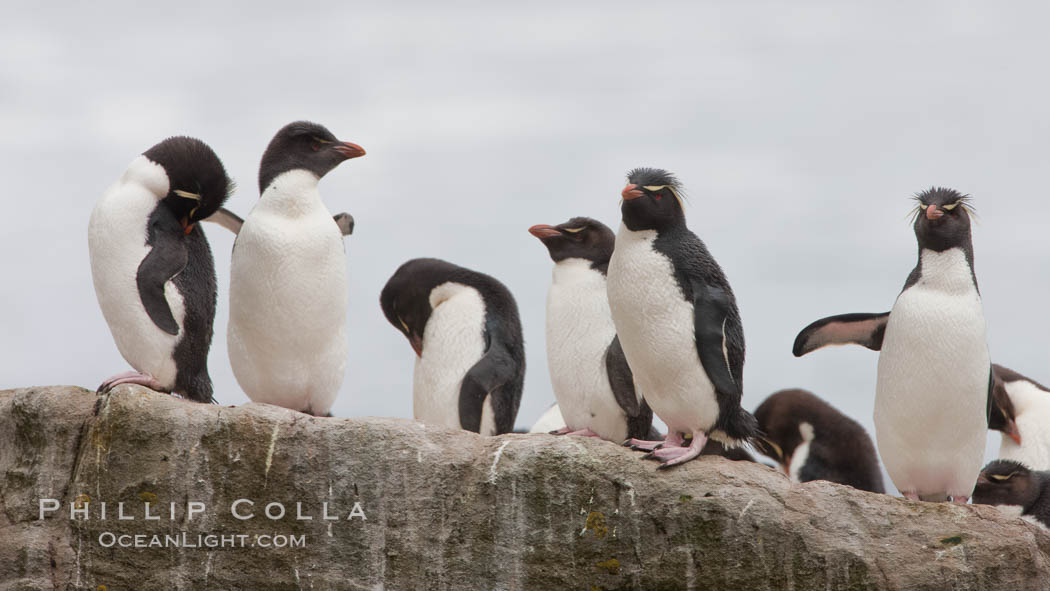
(799, 130)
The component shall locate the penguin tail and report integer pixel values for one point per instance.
(736, 428)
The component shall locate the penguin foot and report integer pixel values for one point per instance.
(681, 455)
(642, 444)
(960, 500)
(584, 433)
(131, 377)
(910, 495)
(562, 431)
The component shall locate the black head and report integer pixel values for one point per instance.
(405, 298)
(197, 181)
(651, 200)
(942, 219)
(1003, 416)
(580, 237)
(304, 146)
(781, 417)
(1006, 482)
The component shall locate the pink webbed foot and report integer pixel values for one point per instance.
(131, 377)
(584, 433)
(680, 455)
(910, 495)
(562, 431)
(672, 440)
(960, 500)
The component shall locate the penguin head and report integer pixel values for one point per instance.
(405, 298)
(651, 200)
(942, 219)
(580, 237)
(197, 181)
(1003, 415)
(303, 145)
(786, 419)
(1007, 482)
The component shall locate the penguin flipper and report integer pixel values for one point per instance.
(863, 329)
(494, 371)
(621, 379)
(227, 219)
(165, 260)
(345, 222)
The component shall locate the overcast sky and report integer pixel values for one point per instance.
(800, 130)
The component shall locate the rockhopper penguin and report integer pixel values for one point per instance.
(589, 373)
(1021, 411)
(677, 321)
(470, 355)
(811, 440)
(934, 374)
(1011, 483)
(288, 283)
(152, 267)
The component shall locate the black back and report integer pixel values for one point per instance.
(1006, 482)
(841, 450)
(405, 301)
(302, 145)
(951, 230)
(582, 238)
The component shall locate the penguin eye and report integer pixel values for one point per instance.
(316, 143)
(950, 206)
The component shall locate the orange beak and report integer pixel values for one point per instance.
(932, 213)
(631, 191)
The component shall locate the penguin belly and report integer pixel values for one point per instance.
(288, 301)
(1033, 422)
(453, 341)
(117, 245)
(579, 331)
(656, 329)
(932, 386)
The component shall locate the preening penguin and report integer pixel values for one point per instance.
(288, 282)
(1021, 411)
(152, 267)
(677, 320)
(1011, 483)
(811, 440)
(470, 355)
(589, 373)
(934, 374)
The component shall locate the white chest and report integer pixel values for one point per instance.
(656, 329)
(453, 341)
(579, 330)
(1032, 409)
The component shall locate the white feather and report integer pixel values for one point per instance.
(117, 244)
(1032, 414)
(931, 393)
(801, 452)
(579, 330)
(656, 329)
(288, 299)
(550, 420)
(453, 341)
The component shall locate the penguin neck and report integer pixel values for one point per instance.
(575, 270)
(293, 193)
(949, 270)
(1026, 396)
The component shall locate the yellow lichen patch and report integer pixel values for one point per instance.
(81, 500)
(100, 588)
(612, 566)
(148, 497)
(596, 523)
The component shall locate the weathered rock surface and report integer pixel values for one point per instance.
(446, 510)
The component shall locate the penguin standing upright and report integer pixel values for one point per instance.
(288, 283)
(152, 267)
(470, 355)
(1011, 483)
(812, 440)
(589, 373)
(934, 374)
(677, 321)
(1021, 411)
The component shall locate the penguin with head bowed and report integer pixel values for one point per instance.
(677, 322)
(592, 382)
(470, 355)
(1021, 411)
(1011, 483)
(288, 279)
(152, 267)
(934, 385)
(811, 440)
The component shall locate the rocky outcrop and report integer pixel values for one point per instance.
(392, 504)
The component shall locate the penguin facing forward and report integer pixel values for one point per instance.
(1011, 483)
(288, 281)
(811, 440)
(678, 323)
(1021, 411)
(933, 389)
(152, 267)
(470, 354)
(589, 373)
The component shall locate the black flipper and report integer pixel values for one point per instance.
(227, 219)
(866, 330)
(488, 377)
(639, 415)
(165, 260)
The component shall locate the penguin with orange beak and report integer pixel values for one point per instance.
(1021, 412)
